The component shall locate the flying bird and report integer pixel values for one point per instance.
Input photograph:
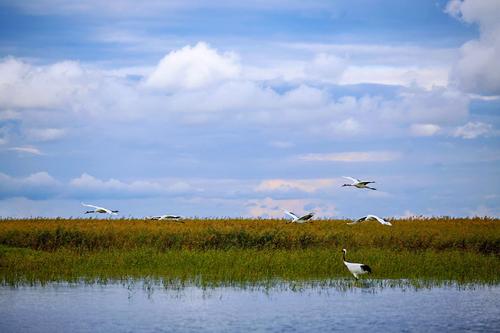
(371, 217)
(301, 219)
(354, 268)
(165, 217)
(358, 183)
(101, 210)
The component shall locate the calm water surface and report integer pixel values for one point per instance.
(119, 307)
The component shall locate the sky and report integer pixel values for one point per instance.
(245, 108)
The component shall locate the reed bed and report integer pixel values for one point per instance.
(481, 235)
(239, 250)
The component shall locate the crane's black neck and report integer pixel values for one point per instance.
(343, 255)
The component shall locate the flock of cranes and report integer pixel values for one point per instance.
(355, 268)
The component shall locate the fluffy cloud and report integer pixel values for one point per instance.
(424, 129)
(472, 130)
(438, 106)
(302, 185)
(477, 69)
(346, 127)
(199, 85)
(42, 185)
(192, 68)
(34, 186)
(25, 86)
(325, 67)
(87, 185)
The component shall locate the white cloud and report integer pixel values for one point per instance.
(27, 150)
(438, 106)
(352, 157)
(45, 134)
(391, 75)
(385, 55)
(424, 129)
(37, 185)
(25, 86)
(193, 67)
(484, 12)
(43, 185)
(87, 184)
(302, 185)
(477, 69)
(473, 130)
(325, 67)
(346, 127)
(50, 98)
(40, 178)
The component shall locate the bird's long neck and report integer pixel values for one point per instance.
(343, 256)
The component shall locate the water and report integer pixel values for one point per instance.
(136, 307)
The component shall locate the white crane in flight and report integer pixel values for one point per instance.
(301, 219)
(165, 217)
(100, 210)
(371, 217)
(358, 183)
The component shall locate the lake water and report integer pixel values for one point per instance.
(139, 307)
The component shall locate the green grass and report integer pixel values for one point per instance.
(247, 251)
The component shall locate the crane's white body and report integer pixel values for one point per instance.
(100, 210)
(355, 268)
(371, 217)
(358, 183)
(165, 217)
(299, 219)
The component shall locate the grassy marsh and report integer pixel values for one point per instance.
(239, 250)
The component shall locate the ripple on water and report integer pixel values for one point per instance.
(160, 306)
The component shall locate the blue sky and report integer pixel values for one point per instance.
(244, 109)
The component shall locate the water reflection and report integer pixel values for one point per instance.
(150, 285)
(315, 306)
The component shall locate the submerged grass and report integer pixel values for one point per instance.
(239, 250)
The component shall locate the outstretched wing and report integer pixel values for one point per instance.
(358, 220)
(306, 217)
(171, 217)
(366, 183)
(92, 206)
(292, 215)
(381, 221)
(354, 180)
